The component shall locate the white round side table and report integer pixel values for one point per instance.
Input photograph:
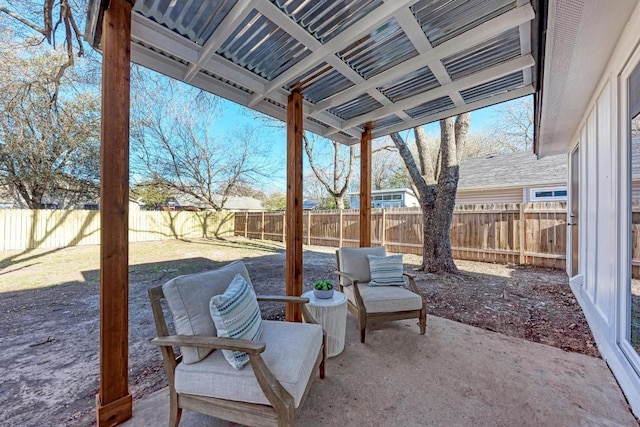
(331, 313)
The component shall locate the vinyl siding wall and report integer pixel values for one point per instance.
(602, 282)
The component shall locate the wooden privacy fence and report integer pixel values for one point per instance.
(29, 229)
(528, 233)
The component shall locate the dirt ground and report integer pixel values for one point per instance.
(49, 307)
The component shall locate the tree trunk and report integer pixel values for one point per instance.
(339, 202)
(437, 200)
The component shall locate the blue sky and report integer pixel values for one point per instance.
(233, 115)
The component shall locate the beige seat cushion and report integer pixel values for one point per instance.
(385, 299)
(188, 299)
(291, 352)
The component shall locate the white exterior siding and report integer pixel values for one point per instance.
(601, 284)
(504, 195)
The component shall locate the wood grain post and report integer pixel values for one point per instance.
(294, 233)
(113, 401)
(522, 235)
(365, 188)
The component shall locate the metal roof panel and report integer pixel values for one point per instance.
(491, 52)
(259, 45)
(193, 19)
(326, 19)
(441, 20)
(412, 84)
(383, 48)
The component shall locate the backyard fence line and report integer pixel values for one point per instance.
(521, 233)
(22, 229)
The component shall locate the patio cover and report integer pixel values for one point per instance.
(349, 70)
(391, 64)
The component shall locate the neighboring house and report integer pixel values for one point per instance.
(387, 198)
(310, 204)
(513, 178)
(233, 203)
(589, 92)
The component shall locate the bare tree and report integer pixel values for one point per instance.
(46, 149)
(51, 20)
(436, 184)
(513, 126)
(335, 176)
(173, 145)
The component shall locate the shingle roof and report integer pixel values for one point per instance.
(512, 170)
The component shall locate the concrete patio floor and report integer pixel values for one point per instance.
(455, 375)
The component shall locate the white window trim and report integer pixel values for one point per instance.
(534, 198)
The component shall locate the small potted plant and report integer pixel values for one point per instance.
(323, 289)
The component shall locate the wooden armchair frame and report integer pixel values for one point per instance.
(282, 411)
(359, 310)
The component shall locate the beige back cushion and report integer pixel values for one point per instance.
(188, 299)
(354, 262)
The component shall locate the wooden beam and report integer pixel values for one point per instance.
(365, 188)
(113, 402)
(294, 234)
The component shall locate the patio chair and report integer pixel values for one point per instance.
(269, 390)
(371, 304)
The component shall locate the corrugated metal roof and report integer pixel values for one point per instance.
(387, 121)
(271, 49)
(383, 48)
(493, 87)
(441, 20)
(320, 83)
(430, 107)
(498, 49)
(361, 105)
(261, 46)
(325, 19)
(412, 84)
(195, 19)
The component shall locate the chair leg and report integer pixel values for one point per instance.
(362, 321)
(324, 354)
(175, 413)
(423, 320)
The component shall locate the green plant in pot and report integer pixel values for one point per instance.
(323, 289)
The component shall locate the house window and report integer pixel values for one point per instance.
(397, 197)
(377, 197)
(387, 197)
(557, 194)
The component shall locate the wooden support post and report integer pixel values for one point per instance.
(246, 224)
(340, 222)
(262, 228)
(113, 401)
(365, 188)
(294, 233)
(522, 235)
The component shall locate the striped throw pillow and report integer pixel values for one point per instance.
(236, 314)
(386, 270)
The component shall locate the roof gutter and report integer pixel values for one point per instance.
(539, 42)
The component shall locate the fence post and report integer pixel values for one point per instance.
(262, 226)
(246, 224)
(340, 229)
(384, 226)
(522, 234)
(308, 227)
(284, 225)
